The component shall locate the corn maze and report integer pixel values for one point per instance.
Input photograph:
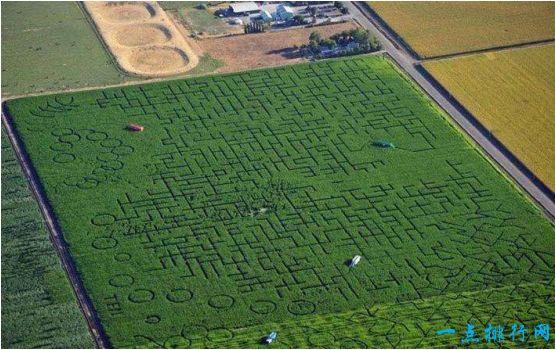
(245, 196)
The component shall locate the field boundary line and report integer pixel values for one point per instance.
(399, 40)
(173, 78)
(382, 26)
(490, 49)
(84, 302)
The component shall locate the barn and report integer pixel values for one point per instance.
(284, 13)
(266, 16)
(243, 8)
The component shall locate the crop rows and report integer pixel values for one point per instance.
(439, 29)
(38, 305)
(412, 324)
(246, 194)
(513, 100)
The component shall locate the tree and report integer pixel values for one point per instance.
(299, 19)
(361, 36)
(341, 7)
(312, 10)
(344, 37)
(256, 27)
(375, 45)
(315, 37)
(314, 47)
(364, 42)
(328, 43)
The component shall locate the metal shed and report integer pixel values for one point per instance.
(242, 8)
(284, 13)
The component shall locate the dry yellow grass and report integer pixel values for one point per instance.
(511, 92)
(441, 28)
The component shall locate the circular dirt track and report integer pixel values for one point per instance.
(127, 12)
(142, 37)
(158, 59)
(142, 34)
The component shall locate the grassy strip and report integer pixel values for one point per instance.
(50, 46)
(197, 18)
(207, 64)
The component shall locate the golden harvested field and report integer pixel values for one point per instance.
(442, 28)
(511, 92)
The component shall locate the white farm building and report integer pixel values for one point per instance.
(284, 13)
(266, 16)
(243, 8)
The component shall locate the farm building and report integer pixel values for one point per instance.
(307, 3)
(284, 13)
(266, 16)
(243, 8)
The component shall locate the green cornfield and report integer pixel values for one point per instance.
(237, 209)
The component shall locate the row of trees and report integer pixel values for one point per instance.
(256, 27)
(341, 7)
(299, 20)
(359, 39)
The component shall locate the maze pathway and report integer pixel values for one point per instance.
(244, 197)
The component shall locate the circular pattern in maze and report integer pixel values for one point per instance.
(221, 301)
(109, 152)
(301, 307)
(122, 280)
(263, 307)
(140, 296)
(179, 295)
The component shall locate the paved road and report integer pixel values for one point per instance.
(60, 245)
(410, 65)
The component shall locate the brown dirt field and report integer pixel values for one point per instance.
(159, 59)
(248, 51)
(140, 35)
(126, 12)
